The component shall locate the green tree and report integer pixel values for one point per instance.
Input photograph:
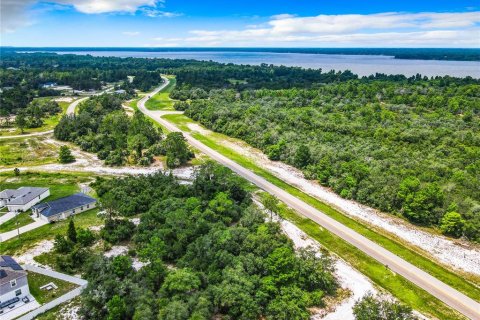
(116, 308)
(21, 121)
(65, 155)
(16, 171)
(452, 224)
(71, 231)
(177, 150)
(373, 308)
(270, 203)
(302, 156)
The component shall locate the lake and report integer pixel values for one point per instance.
(362, 65)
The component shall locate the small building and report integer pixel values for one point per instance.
(23, 198)
(119, 91)
(63, 208)
(13, 283)
(49, 85)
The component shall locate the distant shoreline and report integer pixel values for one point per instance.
(449, 54)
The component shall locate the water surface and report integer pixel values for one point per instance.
(363, 65)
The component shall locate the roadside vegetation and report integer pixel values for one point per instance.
(162, 100)
(408, 149)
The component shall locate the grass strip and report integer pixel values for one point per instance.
(161, 100)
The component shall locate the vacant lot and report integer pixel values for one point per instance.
(27, 152)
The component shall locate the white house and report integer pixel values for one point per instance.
(13, 284)
(23, 198)
(64, 207)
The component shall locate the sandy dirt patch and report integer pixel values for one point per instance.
(64, 99)
(41, 247)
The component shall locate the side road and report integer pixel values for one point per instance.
(443, 292)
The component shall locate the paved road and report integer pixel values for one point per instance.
(442, 291)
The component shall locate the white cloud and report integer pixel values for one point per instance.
(106, 6)
(19, 13)
(153, 13)
(381, 29)
(131, 33)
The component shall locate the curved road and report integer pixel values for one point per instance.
(70, 110)
(440, 290)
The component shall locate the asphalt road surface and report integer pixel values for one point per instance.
(435, 287)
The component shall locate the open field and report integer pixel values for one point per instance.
(36, 280)
(29, 151)
(162, 101)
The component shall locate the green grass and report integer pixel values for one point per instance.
(48, 232)
(162, 101)
(48, 123)
(28, 151)
(423, 262)
(179, 120)
(22, 219)
(36, 280)
(61, 185)
(403, 289)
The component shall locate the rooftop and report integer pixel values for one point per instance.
(55, 207)
(10, 269)
(26, 194)
(9, 193)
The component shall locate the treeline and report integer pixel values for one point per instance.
(206, 252)
(407, 148)
(23, 75)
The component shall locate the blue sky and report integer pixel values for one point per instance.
(247, 23)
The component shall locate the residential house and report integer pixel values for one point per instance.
(64, 207)
(13, 283)
(23, 198)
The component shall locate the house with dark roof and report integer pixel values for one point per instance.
(64, 207)
(22, 199)
(13, 283)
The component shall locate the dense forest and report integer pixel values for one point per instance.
(207, 252)
(22, 75)
(456, 54)
(406, 148)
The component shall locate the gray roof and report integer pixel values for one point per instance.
(9, 193)
(27, 194)
(55, 207)
(10, 269)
